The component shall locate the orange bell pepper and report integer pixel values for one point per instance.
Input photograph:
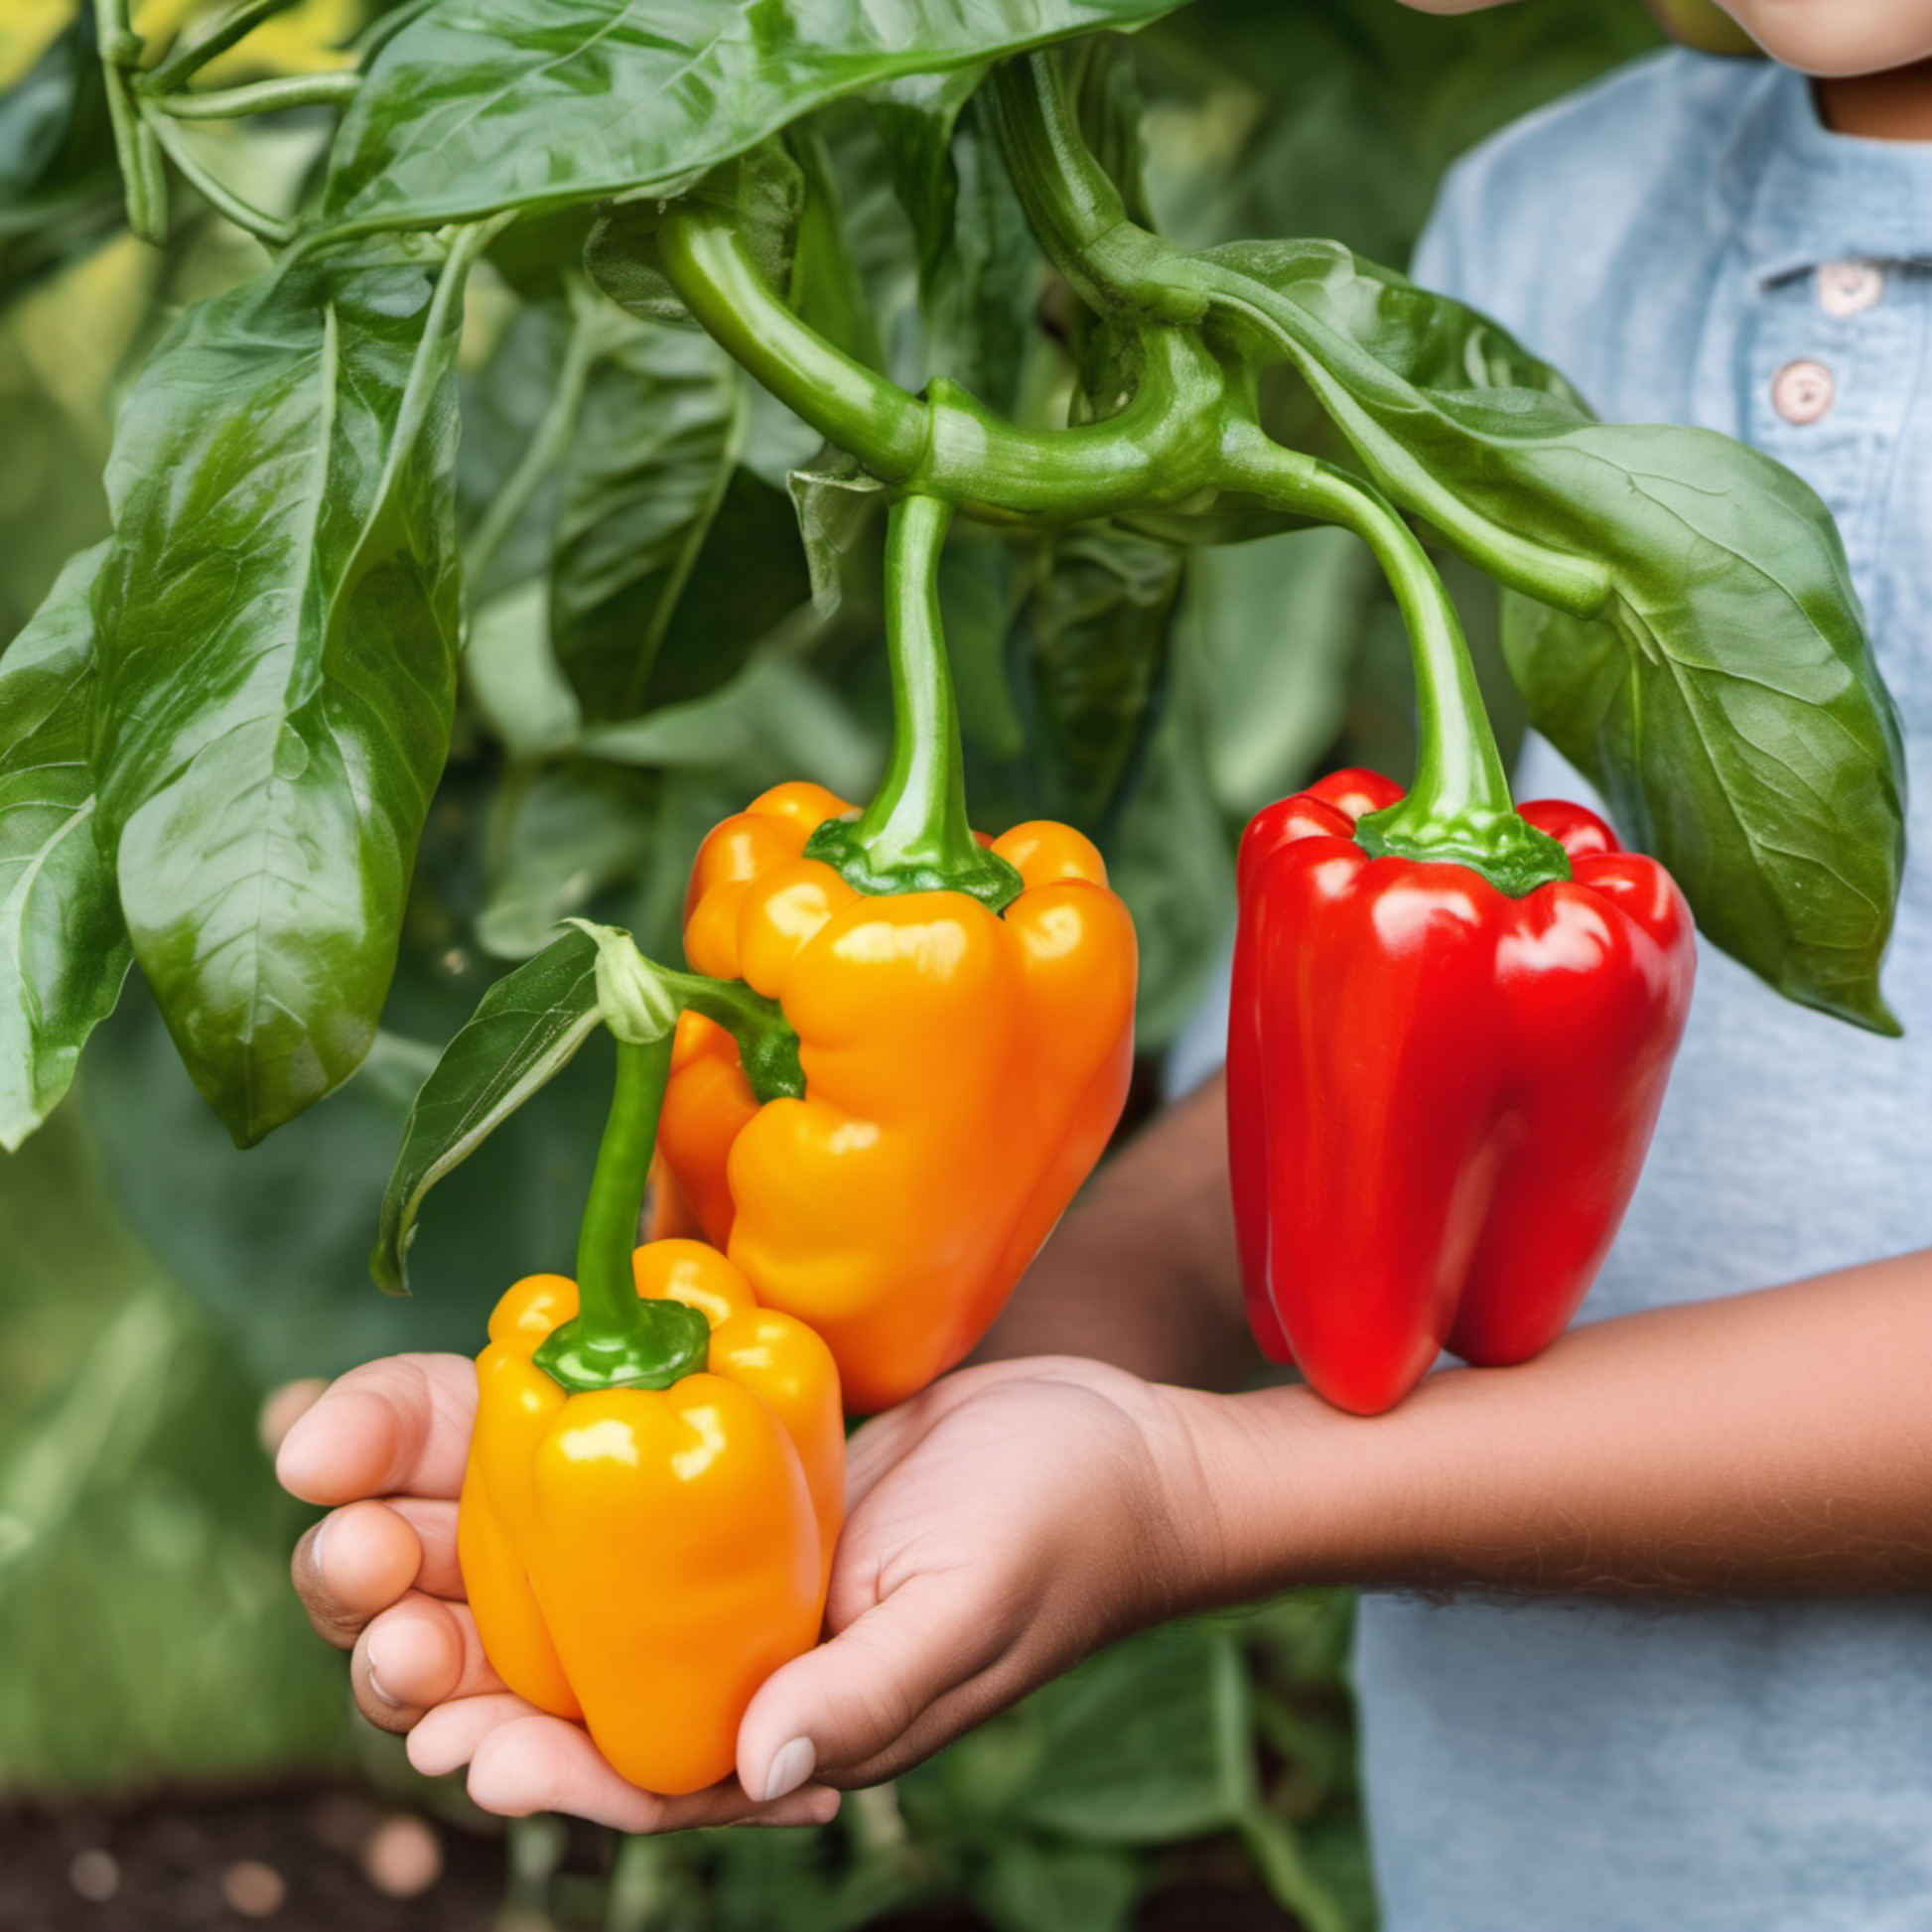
(964, 1068)
(642, 1558)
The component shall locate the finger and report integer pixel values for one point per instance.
(284, 1407)
(354, 1563)
(420, 1653)
(540, 1763)
(440, 1574)
(398, 1425)
(447, 1739)
(852, 1699)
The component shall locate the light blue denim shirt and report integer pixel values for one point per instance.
(1690, 245)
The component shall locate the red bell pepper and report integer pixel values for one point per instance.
(1452, 1027)
(1440, 1096)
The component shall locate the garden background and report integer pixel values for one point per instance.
(176, 1749)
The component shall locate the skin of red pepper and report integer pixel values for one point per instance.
(1439, 1097)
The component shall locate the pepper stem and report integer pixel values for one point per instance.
(617, 1339)
(914, 836)
(1458, 809)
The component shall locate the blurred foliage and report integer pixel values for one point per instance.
(152, 1280)
(145, 1611)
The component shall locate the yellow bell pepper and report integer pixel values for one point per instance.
(640, 1557)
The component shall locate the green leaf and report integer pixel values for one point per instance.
(524, 1032)
(60, 185)
(1704, 660)
(459, 114)
(299, 1210)
(832, 507)
(1133, 1752)
(64, 951)
(656, 447)
(573, 831)
(1093, 641)
(728, 608)
(979, 270)
(512, 673)
(1275, 625)
(1169, 860)
(764, 190)
(774, 720)
(1030, 1884)
(506, 407)
(278, 632)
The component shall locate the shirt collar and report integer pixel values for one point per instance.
(1802, 194)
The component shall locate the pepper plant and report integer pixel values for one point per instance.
(226, 724)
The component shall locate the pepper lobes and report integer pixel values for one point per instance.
(641, 1560)
(1439, 1097)
(963, 1070)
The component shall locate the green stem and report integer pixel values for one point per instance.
(915, 836)
(617, 1339)
(185, 62)
(1160, 449)
(269, 228)
(1457, 809)
(263, 97)
(713, 271)
(144, 179)
(1072, 206)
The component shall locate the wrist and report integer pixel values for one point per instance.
(1276, 1491)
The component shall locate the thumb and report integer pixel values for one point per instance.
(896, 1683)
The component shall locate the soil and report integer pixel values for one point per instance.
(298, 1860)
(328, 1859)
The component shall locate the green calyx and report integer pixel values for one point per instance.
(988, 879)
(1507, 850)
(914, 836)
(658, 1346)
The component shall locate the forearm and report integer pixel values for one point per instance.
(1142, 1273)
(1777, 1443)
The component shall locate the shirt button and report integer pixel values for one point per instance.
(1849, 287)
(1801, 392)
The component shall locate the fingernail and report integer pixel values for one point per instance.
(793, 1765)
(376, 1680)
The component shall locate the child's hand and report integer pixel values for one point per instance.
(1000, 1526)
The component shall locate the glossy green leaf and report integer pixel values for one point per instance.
(277, 631)
(1705, 658)
(655, 447)
(64, 951)
(460, 111)
(526, 1030)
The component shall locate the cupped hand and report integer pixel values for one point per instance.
(1000, 1525)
